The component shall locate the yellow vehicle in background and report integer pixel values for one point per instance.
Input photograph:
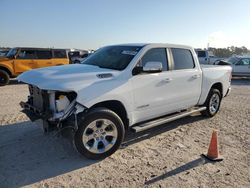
(19, 60)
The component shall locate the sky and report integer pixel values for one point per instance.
(90, 24)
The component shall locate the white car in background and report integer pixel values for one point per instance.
(239, 64)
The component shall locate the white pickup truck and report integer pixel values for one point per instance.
(120, 88)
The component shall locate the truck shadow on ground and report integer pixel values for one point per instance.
(188, 166)
(28, 156)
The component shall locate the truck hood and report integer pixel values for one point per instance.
(67, 77)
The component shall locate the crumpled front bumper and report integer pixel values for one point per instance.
(34, 113)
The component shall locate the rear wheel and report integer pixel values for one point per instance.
(212, 103)
(4, 78)
(77, 62)
(100, 134)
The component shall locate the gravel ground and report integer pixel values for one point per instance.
(168, 156)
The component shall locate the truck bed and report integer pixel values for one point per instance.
(214, 74)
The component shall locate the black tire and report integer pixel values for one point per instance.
(77, 62)
(209, 112)
(4, 78)
(86, 120)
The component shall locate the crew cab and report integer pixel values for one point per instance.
(121, 88)
(21, 59)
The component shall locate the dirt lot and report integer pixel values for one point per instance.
(168, 156)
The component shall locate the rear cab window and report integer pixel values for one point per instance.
(183, 59)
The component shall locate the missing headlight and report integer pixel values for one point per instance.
(63, 99)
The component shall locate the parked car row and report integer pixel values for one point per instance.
(239, 64)
(121, 88)
(77, 56)
(206, 57)
(19, 60)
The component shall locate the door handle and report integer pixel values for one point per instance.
(31, 63)
(49, 63)
(196, 76)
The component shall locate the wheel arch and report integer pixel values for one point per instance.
(205, 92)
(218, 86)
(117, 107)
(6, 69)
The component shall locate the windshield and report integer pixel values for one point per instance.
(233, 60)
(12, 52)
(113, 57)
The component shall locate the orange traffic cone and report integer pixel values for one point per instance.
(213, 153)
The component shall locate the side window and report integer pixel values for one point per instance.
(183, 59)
(244, 62)
(44, 54)
(156, 54)
(26, 54)
(60, 54)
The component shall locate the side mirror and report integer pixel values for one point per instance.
(152, 67)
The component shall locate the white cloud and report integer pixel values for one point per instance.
(220, 39)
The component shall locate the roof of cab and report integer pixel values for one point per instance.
(155, 45)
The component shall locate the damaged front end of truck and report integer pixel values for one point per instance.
(52, 109)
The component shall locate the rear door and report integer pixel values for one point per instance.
(60, 57)
(242, 67)
(25, 60)
(44, 58)
(186, 79)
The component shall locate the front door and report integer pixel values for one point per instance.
(24, 61)
(150, 90)
(242, 67)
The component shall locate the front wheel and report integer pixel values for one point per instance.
(100, 133)
(77, 62)
(4, 78)
(212, 103)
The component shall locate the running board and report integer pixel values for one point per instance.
(154, 123)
